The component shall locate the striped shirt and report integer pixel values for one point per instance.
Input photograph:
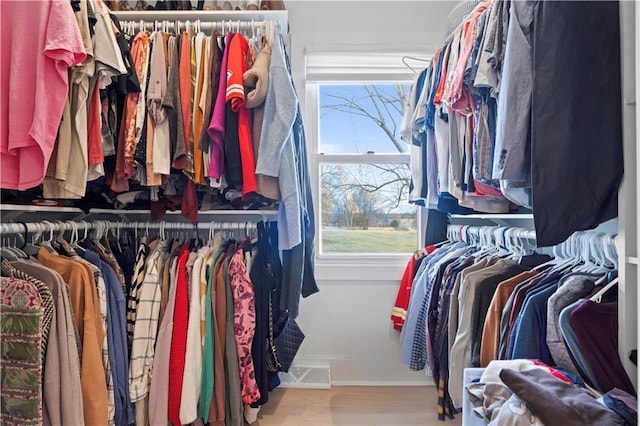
(102, 298)
(145, 327)
(136, 282)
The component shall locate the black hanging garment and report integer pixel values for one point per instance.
(577, 163)
(266, 276)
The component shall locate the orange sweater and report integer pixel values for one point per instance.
(86, 311)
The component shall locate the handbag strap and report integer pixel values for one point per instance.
(272, 344)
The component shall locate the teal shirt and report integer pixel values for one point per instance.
(206, 391)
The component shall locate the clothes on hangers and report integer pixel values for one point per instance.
(146, 114)
(147, 111)
(476, 115)
(399, 313)
(197, 318)
(178, 131)
(87, 317)
(469, 305)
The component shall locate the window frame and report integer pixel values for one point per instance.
(352, 266)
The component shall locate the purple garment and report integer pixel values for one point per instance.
(217, 124)
(596, 329)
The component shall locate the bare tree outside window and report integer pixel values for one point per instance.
(383, 104)
(364, 205)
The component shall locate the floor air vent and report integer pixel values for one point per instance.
(307, 376)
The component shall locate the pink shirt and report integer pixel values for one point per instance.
(216, 125)
(459, 99)
(39, 41)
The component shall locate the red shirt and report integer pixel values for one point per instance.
(94, 129)
(399, 313)
(178, 338)
(239, 54)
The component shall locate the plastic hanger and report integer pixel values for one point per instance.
(46, 243)
(32, 248)
(578, 248)
(514, 243)
(211, 234)
(270, 32)
(556, 261)
(74, 239)
(6, 252)
(567, 250)
(481, 238)
(10, 251)
(598, 296)
(610, 251)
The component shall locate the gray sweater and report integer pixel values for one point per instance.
(571, 288)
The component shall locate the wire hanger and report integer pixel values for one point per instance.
(414, 58)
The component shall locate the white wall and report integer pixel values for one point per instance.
(348, 327)
(348, 323)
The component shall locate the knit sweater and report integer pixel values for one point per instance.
(178, 339)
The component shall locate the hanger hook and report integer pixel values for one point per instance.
(48, 226)
(74, 233)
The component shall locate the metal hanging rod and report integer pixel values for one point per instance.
(62, 226)
(583, 244)
(213, 16)
(470, 233)
(198, 25)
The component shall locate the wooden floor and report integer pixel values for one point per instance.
(342, 406)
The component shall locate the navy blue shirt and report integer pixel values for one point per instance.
(116, 340)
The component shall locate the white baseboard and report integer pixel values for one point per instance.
(379, 383)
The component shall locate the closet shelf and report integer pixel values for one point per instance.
(18, 208)
(44, 209)
(200, 213)
(520, 220)
(489, 216)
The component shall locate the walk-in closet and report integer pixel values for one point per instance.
(318, 212)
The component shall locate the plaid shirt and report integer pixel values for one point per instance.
(414, 341)
(102, 298)
(145, 328)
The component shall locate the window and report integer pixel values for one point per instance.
(360, 164)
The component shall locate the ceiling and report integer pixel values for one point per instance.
(384, 26)
(367, 16)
